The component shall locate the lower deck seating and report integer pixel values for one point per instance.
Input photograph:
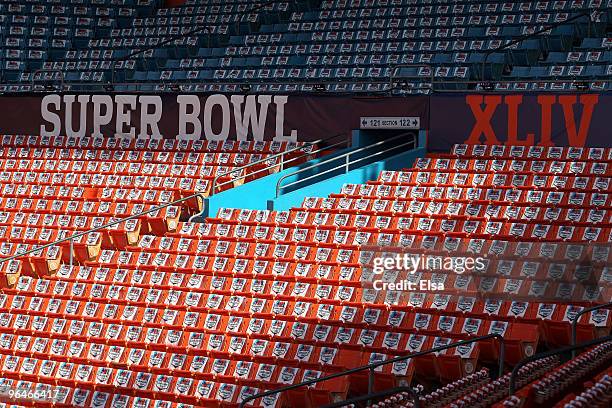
(208, 314)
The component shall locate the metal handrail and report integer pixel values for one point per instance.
(392, 391)
(110, 224)
(343, 166)
(61, 75)
(515, 370)
(283, 163)
(239, 169)
(347, 163)
(579, 315)
(528, 36)
(371, 367)
(214, 184)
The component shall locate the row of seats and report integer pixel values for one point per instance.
(496, 390)
(552, 387)
(449, 392)
(492, 175)
(309, 87)
(61, 143)
(314, 87)
(597, 395)
(475, 390)
(462, 6)
(551, 85)
(528, 152)
(560, 71)
(369, 221)
(478, 187)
